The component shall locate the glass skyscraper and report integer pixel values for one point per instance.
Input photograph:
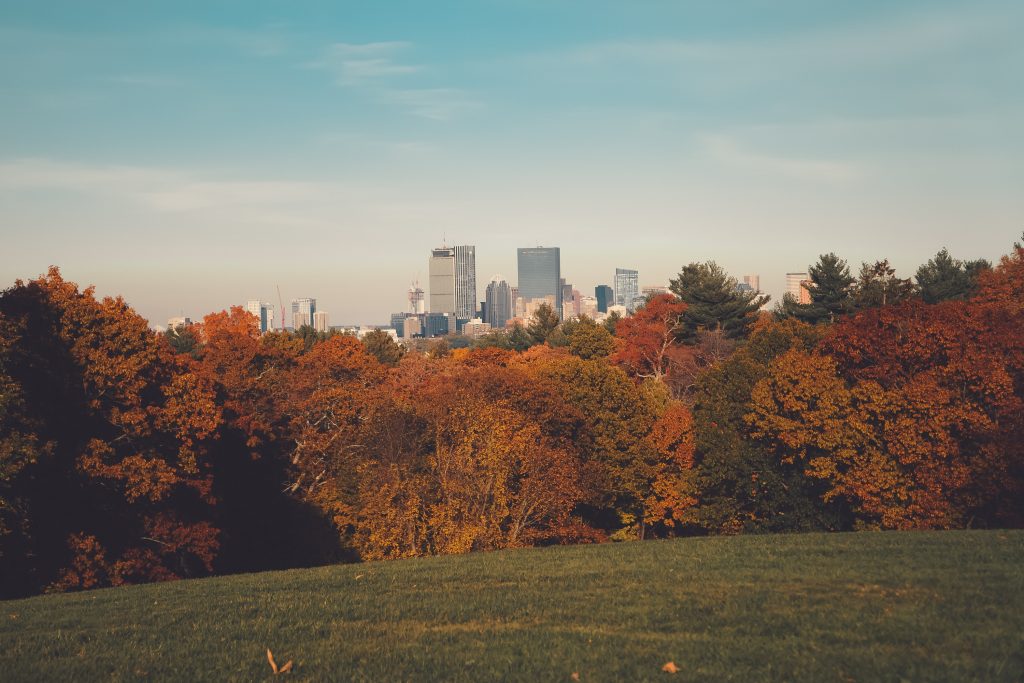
(605, 297)
(442, 280)
(540, 274)
(499, 303)
(627, 287)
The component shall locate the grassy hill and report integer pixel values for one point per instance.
(844, 607)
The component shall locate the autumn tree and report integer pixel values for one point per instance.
(648, 336)
(714, 301)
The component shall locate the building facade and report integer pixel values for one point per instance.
(264, 313)
(627, 287)
(302, 312)
(320, 322)
(442, 280)
(605, 297)
(498, 303)
(540, 274)
(465, 282)
(796, 285)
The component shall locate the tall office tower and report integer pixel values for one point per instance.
(442, 280)
(499, 303)
(566, 292)
(754, 281)
(320, 321)
(417, 302)
(264, 313)
(465, 282)
(540, 274)
(627, 287)
(302, 312)
(605, 296)
(576, 302)
(795, 286)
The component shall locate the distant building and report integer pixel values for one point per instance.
(398, 322)
(302, 312)
(476, 328)
(588, 306)
(438, 324)
(540, 275)
(465, 282)
(653, 290)
(795, 285)
(753, 281)
(320, 321)
(627, 287)
(498, 305)
(605, 297)
(621, 310)
(413, 327)
(180, 321)
(264, 313)
(442, 280)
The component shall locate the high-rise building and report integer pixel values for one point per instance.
(499, 303)
(442, 280)
(540, 274)
(180, 321)
(795, 285)
(417, 303)
(302, 312)
(320, 321)
(627, 287)
(605, 297)
(465, 282)
(438, 324)
(264, 313)
(754, 281)
(588, 306)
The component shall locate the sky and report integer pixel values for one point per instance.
(190, 156)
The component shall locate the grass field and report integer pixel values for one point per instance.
(842, 607)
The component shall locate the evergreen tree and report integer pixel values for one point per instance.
(944, 278)
(830, 291)
(714, 301)
(545, 321)
(611, 321)
(879, 286)
(381, 346)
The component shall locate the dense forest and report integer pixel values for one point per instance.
(128, 455)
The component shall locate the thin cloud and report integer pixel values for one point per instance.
(365, 63)
(729, 152)
(437, 104)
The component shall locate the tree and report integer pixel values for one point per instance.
(611, 322)
(830, 291)
(714, 301)
(879, 286)
(647, 337)
(544, 322)
(944, 278)
(381, 346)
(587, 339)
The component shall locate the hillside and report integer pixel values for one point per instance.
(867, 606)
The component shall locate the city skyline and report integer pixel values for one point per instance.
(172, 154)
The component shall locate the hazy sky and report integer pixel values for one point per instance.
(192, 155)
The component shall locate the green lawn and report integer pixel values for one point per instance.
(842, 607)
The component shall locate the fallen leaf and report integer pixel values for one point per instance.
(270, 658)
(286, 668)
(575, 675)
(358, 576)
(670, 667)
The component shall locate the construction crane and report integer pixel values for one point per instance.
(280, 302)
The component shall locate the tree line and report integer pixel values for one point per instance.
(129, 456)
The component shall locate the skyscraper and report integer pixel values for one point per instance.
(499, 303)
(627, 287)
(540, 274)
(605, 296)
(442, 280)
(754, 281)
(320, 321)
(416, 299)
(302, 312)
(465, 282)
